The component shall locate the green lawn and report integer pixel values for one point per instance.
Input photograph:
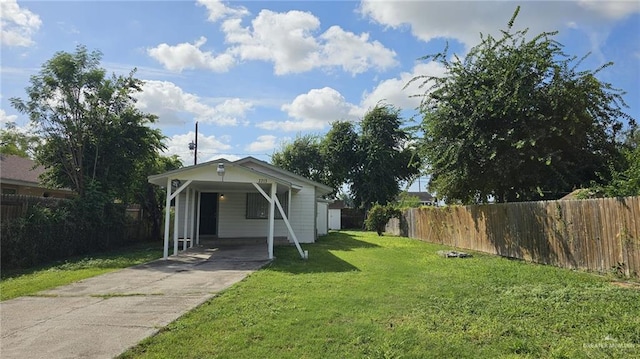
(363, 296)
(26, 282)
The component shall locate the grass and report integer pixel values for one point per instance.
(29, 282)
(364, 296)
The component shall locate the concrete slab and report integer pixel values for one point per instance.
(103, 316)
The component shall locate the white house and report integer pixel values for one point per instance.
(247, 198)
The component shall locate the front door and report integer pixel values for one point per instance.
(209, 213)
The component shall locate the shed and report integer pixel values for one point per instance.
(335, 214)
(247, 198)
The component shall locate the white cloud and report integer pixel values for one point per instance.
(612, 9)
(428, 20)
(393, 91)
(355, 54)
(209, 147)
(288, 40)
(262, 143)
(317, 108)
(18, 24)
(284, 38)
(314, 110)
(4, 118)
(189, 56)
(173, 105)
(218, 10)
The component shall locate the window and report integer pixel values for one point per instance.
(258, 207)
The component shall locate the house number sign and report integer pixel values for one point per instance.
(262, 180)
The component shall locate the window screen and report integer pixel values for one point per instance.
(258, 207)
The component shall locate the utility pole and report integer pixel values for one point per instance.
(194, 147)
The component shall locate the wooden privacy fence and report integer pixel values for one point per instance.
(595, 234)
(14, 206)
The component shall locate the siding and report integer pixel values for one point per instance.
(232, 222)
(181, 212)
(303, 214)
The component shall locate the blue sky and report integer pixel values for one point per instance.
(255, 74)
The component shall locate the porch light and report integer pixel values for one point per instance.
(221, 195)
(220, 169)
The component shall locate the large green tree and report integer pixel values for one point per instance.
(302, 157)
(339, 148)
(372, 161)
(385, 158)
(516, 120)
(91, 129)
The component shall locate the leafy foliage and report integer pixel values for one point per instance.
(372, 161)
(385, 158)
(378, 216)
(91, 130)
(302, 157)
(14, 142)
(81, 225)
(626, 181)
(515, 120)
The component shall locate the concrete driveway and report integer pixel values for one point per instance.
(103, 316)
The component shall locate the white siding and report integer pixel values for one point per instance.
(303, 214)
(232, 222)
(181, 213)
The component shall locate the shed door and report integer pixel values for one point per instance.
(209, 213)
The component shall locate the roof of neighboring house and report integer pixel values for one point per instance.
(20, 170)
(424, 196)
(338, 204)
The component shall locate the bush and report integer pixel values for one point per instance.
(79, 226)
(378, 217)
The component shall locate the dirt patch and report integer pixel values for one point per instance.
(630, 285)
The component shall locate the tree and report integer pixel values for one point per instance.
(91, 130)
(384, 158)
(302, 157)
(150, 197)
(15, 142)
(373, 162)
(339, 150)
(515, 120)
(626, 181)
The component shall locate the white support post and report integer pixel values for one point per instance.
(185, 230)
(288, 203)
(272, 215)
(192, 212)
(198, 219)
(167, 220)
(176, 214)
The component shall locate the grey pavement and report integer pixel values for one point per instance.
(103, 316)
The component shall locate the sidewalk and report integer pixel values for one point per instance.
(103, 316)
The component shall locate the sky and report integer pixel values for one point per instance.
(256, 74)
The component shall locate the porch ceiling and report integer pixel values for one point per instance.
(207, 186)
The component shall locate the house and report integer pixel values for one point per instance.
(247, 198)
(426, 199)
(20, 176)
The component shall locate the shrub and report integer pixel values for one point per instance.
(378, 217)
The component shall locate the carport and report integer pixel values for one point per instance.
(247, 198)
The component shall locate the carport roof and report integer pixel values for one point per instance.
(277, 174)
